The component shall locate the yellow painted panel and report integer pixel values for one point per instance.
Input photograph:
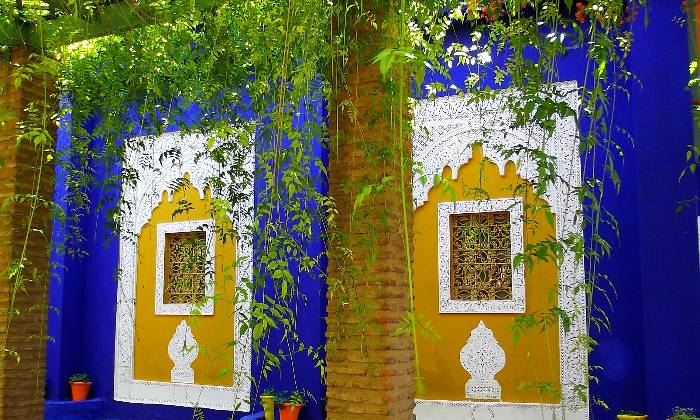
(535, 358)
(153, 332)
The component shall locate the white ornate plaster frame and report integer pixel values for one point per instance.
(207, 307)
(138, 201)
(445, 129)
(514, 206)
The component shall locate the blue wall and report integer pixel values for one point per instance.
(649, 361)
(300, 372)
(83, 323)
(668, 242)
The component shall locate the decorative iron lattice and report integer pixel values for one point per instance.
(185, 262)
(481, 256)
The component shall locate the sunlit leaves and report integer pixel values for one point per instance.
(285, 60)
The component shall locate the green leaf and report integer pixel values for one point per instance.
(600, 71)
(385, 59)
(420, 75)
(258, 331)
(366, 192)
(550, 217)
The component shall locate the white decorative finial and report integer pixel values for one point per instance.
(483, 358)
(182, 350)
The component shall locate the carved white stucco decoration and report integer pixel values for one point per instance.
(496, 410)
(445, 129)
(206, 226)
(182, 350)
(140, 198)
(447, 305)
(483, 358)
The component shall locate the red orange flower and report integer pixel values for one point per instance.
(580, 7)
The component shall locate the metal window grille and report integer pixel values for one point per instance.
(481, 267)
(185, 267)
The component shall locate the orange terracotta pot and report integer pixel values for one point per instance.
(79, 390)
(290, 411)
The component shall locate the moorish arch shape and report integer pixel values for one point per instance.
(445, 130)
(140, 199)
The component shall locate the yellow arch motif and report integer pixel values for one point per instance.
(534, 359)
(213, 333)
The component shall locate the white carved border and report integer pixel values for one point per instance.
(139, 199)
(461, 410)
(514, 206)
(446, 128)
(207, 308)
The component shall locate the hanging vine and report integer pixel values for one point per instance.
(265, 70)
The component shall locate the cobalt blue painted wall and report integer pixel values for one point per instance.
(60, 364)
(668, 242)
(620, 354)
(618, 360)
(84, 323)
(301, 372)
(84, 326)
(649, 361)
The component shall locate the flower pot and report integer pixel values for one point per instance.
(79, 390)
(290, 411)
(631, 417)
(268, 404)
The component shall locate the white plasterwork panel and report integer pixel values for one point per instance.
(139, 199)
(514, 206)
(183, 351)
(461, 410)
(446, 128)
(482, 357)
(207, 308)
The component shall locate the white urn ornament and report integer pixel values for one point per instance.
(483, 358)
(182, 350)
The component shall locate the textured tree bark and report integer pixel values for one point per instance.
(22, 382)
(370, 372)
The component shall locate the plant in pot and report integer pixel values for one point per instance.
(291, 406)
(683, 414)
(267, 399)
(79, 386)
